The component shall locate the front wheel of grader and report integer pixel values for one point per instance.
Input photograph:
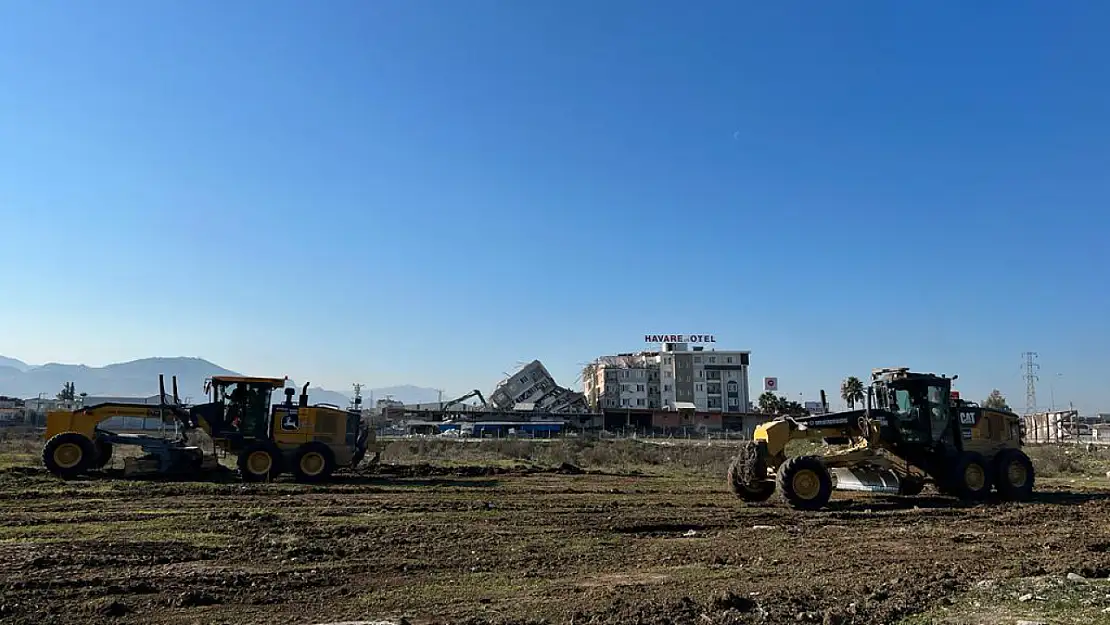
(747, 475)
(805, 483)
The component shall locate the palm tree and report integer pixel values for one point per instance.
(769, 403)
(852, 391)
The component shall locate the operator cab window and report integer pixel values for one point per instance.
(904, 407)
(938, 410)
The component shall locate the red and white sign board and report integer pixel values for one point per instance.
(770, 384)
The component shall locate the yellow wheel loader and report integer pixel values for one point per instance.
(310, 442)
(913, 431)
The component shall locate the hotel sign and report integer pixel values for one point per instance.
(679, 338)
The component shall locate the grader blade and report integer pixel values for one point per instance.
(866, 480)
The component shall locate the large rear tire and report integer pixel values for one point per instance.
(971, 479)
(259, 462)
(805, 483)
(1013, 475)
(68, 454)
(313, 462)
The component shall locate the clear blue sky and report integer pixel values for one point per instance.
(431, 192)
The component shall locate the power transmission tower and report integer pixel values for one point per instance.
(1031, 367)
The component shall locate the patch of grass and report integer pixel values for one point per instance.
(652, 455)
(1069, 460)
(19, 448)
(1049, 599)
(156, 528)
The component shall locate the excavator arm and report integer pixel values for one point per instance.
(474, 393)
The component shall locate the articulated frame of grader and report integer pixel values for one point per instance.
(913, 431)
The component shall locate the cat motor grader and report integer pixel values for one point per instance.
(913, 431)
(310, 442)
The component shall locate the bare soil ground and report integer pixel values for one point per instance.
(632, 539)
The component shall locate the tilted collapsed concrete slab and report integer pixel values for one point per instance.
(532, 387)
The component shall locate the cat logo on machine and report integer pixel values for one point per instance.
(967, 418)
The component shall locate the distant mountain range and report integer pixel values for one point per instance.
(139, 378)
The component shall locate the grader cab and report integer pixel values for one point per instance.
(912, 432)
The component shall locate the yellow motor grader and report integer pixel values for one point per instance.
(913, 431)
(310, 442)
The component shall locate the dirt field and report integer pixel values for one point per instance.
(649, 535)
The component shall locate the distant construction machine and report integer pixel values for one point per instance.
(460, 399)
(913, 431)
(310, 442)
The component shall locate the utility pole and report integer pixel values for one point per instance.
(357, 399)
(1031, 367)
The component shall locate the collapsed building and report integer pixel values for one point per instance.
(532, 388)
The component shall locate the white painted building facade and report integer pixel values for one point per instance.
(712, 380)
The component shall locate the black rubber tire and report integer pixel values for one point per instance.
(1004, 461)
(69, 469)
(792, 469)
(103, 453)
(249, 475)
(324, 454)
(958, 483)
(753, 492)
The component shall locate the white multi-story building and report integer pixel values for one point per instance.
(712, 380)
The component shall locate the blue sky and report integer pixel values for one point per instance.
(431, 192)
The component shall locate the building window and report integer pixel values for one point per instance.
(714, 388)
(666, 388)
(669, 375)
(697, 359)
(640, 402)
(733, 402)
(728, 360)
(712, 359)
(713, 402)
(667, 360)
(700, 387)
(700, 373)
(713, 375)
(624, 388)
(523, 379)
(640, 388)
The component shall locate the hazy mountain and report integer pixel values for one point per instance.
(13, 363)
(139, 378)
